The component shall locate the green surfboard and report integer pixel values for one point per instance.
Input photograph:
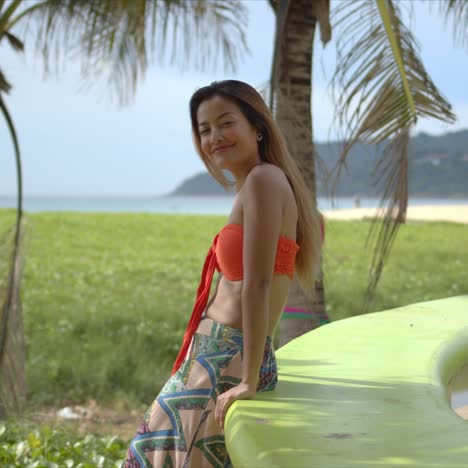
(367, 391)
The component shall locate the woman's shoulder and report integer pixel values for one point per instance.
(266, 182)
(268, 174)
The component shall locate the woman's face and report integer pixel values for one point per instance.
(226, 136)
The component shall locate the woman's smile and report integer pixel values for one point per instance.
(222, 148)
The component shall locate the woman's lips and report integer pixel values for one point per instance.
(222, 148)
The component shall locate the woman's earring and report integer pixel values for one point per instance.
(259, 136)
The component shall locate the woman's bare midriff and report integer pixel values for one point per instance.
(225, 305)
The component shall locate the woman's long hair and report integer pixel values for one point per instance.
(272, 149)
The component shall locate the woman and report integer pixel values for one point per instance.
(273, 230)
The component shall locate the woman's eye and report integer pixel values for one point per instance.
(203, 132)
(226, 123)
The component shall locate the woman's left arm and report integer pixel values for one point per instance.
(262, 225)
(262, 212)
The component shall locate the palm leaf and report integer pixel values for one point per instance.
(380, 88)
(119, 38)
(5, 85)
(15, 43)
(7, 14)
(456, 11)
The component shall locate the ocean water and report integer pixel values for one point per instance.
(215, 205)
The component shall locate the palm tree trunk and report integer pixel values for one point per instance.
(12, 342)
(293, 90)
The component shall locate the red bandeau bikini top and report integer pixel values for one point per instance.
(229, 249)
(225, 255)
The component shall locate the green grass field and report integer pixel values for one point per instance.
(106, 297)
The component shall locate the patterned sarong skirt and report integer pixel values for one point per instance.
(179, 429)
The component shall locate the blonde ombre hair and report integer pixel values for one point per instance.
(272, 149)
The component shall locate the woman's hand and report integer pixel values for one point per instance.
(225, 400)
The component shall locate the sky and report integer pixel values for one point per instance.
(80, 143)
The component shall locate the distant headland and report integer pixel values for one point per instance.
(438, 167)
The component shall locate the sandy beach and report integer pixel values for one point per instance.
(454, 213)
(462, 412)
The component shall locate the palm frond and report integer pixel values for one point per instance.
(15, 43)
(322, 8)
(5, 85)
(380, 88)
(456, 11)
(119, 38)
(272, 4)
(7, 14)
(392, 167)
